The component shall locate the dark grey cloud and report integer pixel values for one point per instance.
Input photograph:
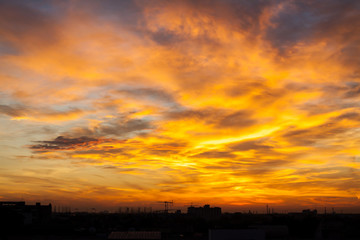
(120, 127)
(63, 143)
(165, 37)
(307, 21)
(292, 25)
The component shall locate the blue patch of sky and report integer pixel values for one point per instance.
(47, 7)
(7, 49)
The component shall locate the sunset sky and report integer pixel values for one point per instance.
(236, 104)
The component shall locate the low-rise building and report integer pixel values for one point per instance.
(204, 212)
(30, 213)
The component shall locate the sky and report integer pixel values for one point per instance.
(236, 104)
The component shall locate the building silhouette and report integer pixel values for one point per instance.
(204, 212)
(27, 214)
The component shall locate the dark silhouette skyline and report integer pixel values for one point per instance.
(21, 221)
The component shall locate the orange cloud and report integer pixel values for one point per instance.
(181, 100)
